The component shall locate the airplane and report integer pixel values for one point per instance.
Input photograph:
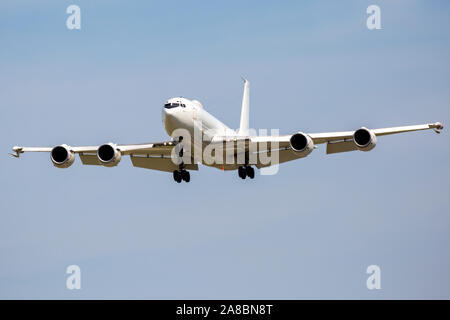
(201, 131)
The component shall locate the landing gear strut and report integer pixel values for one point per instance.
(246, 171)
(181, 175)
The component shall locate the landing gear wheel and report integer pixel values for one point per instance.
(250, 172)
(177, 176)
(185, 175)
(242, 172)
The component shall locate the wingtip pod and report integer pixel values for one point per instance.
(17, 151)
(438, 127)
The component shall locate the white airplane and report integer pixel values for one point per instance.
(240, 149)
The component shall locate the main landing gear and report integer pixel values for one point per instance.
(246, 171)
(181, 175)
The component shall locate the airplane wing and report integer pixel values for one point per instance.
(336, 136)
(345, 141)
(156, 156)
(336, 142)
(160, 155)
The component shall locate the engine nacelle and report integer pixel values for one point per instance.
(364, 139)
(302, 143)
(109, 155)
(62, 156)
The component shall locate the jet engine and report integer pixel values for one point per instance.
(301, 142)
(364, 139)
(109, 155)
(62, 156)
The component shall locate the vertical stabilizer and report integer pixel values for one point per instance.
(244, 125)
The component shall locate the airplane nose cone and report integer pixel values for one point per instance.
(166, 113)
(163, 113)
(169, 120)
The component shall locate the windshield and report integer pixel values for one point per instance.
(173, 105)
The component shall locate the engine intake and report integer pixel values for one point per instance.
(108, 155)
(62, 156)
(300, 142)
(364, 139)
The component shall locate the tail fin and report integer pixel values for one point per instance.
(244, 125)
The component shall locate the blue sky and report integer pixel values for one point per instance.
(308, 232)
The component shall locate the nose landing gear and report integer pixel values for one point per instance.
(246, 171)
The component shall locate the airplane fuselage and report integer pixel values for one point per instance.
(184, 117)
(190, 113)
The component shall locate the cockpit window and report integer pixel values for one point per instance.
(174, 105)
(171, 105)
